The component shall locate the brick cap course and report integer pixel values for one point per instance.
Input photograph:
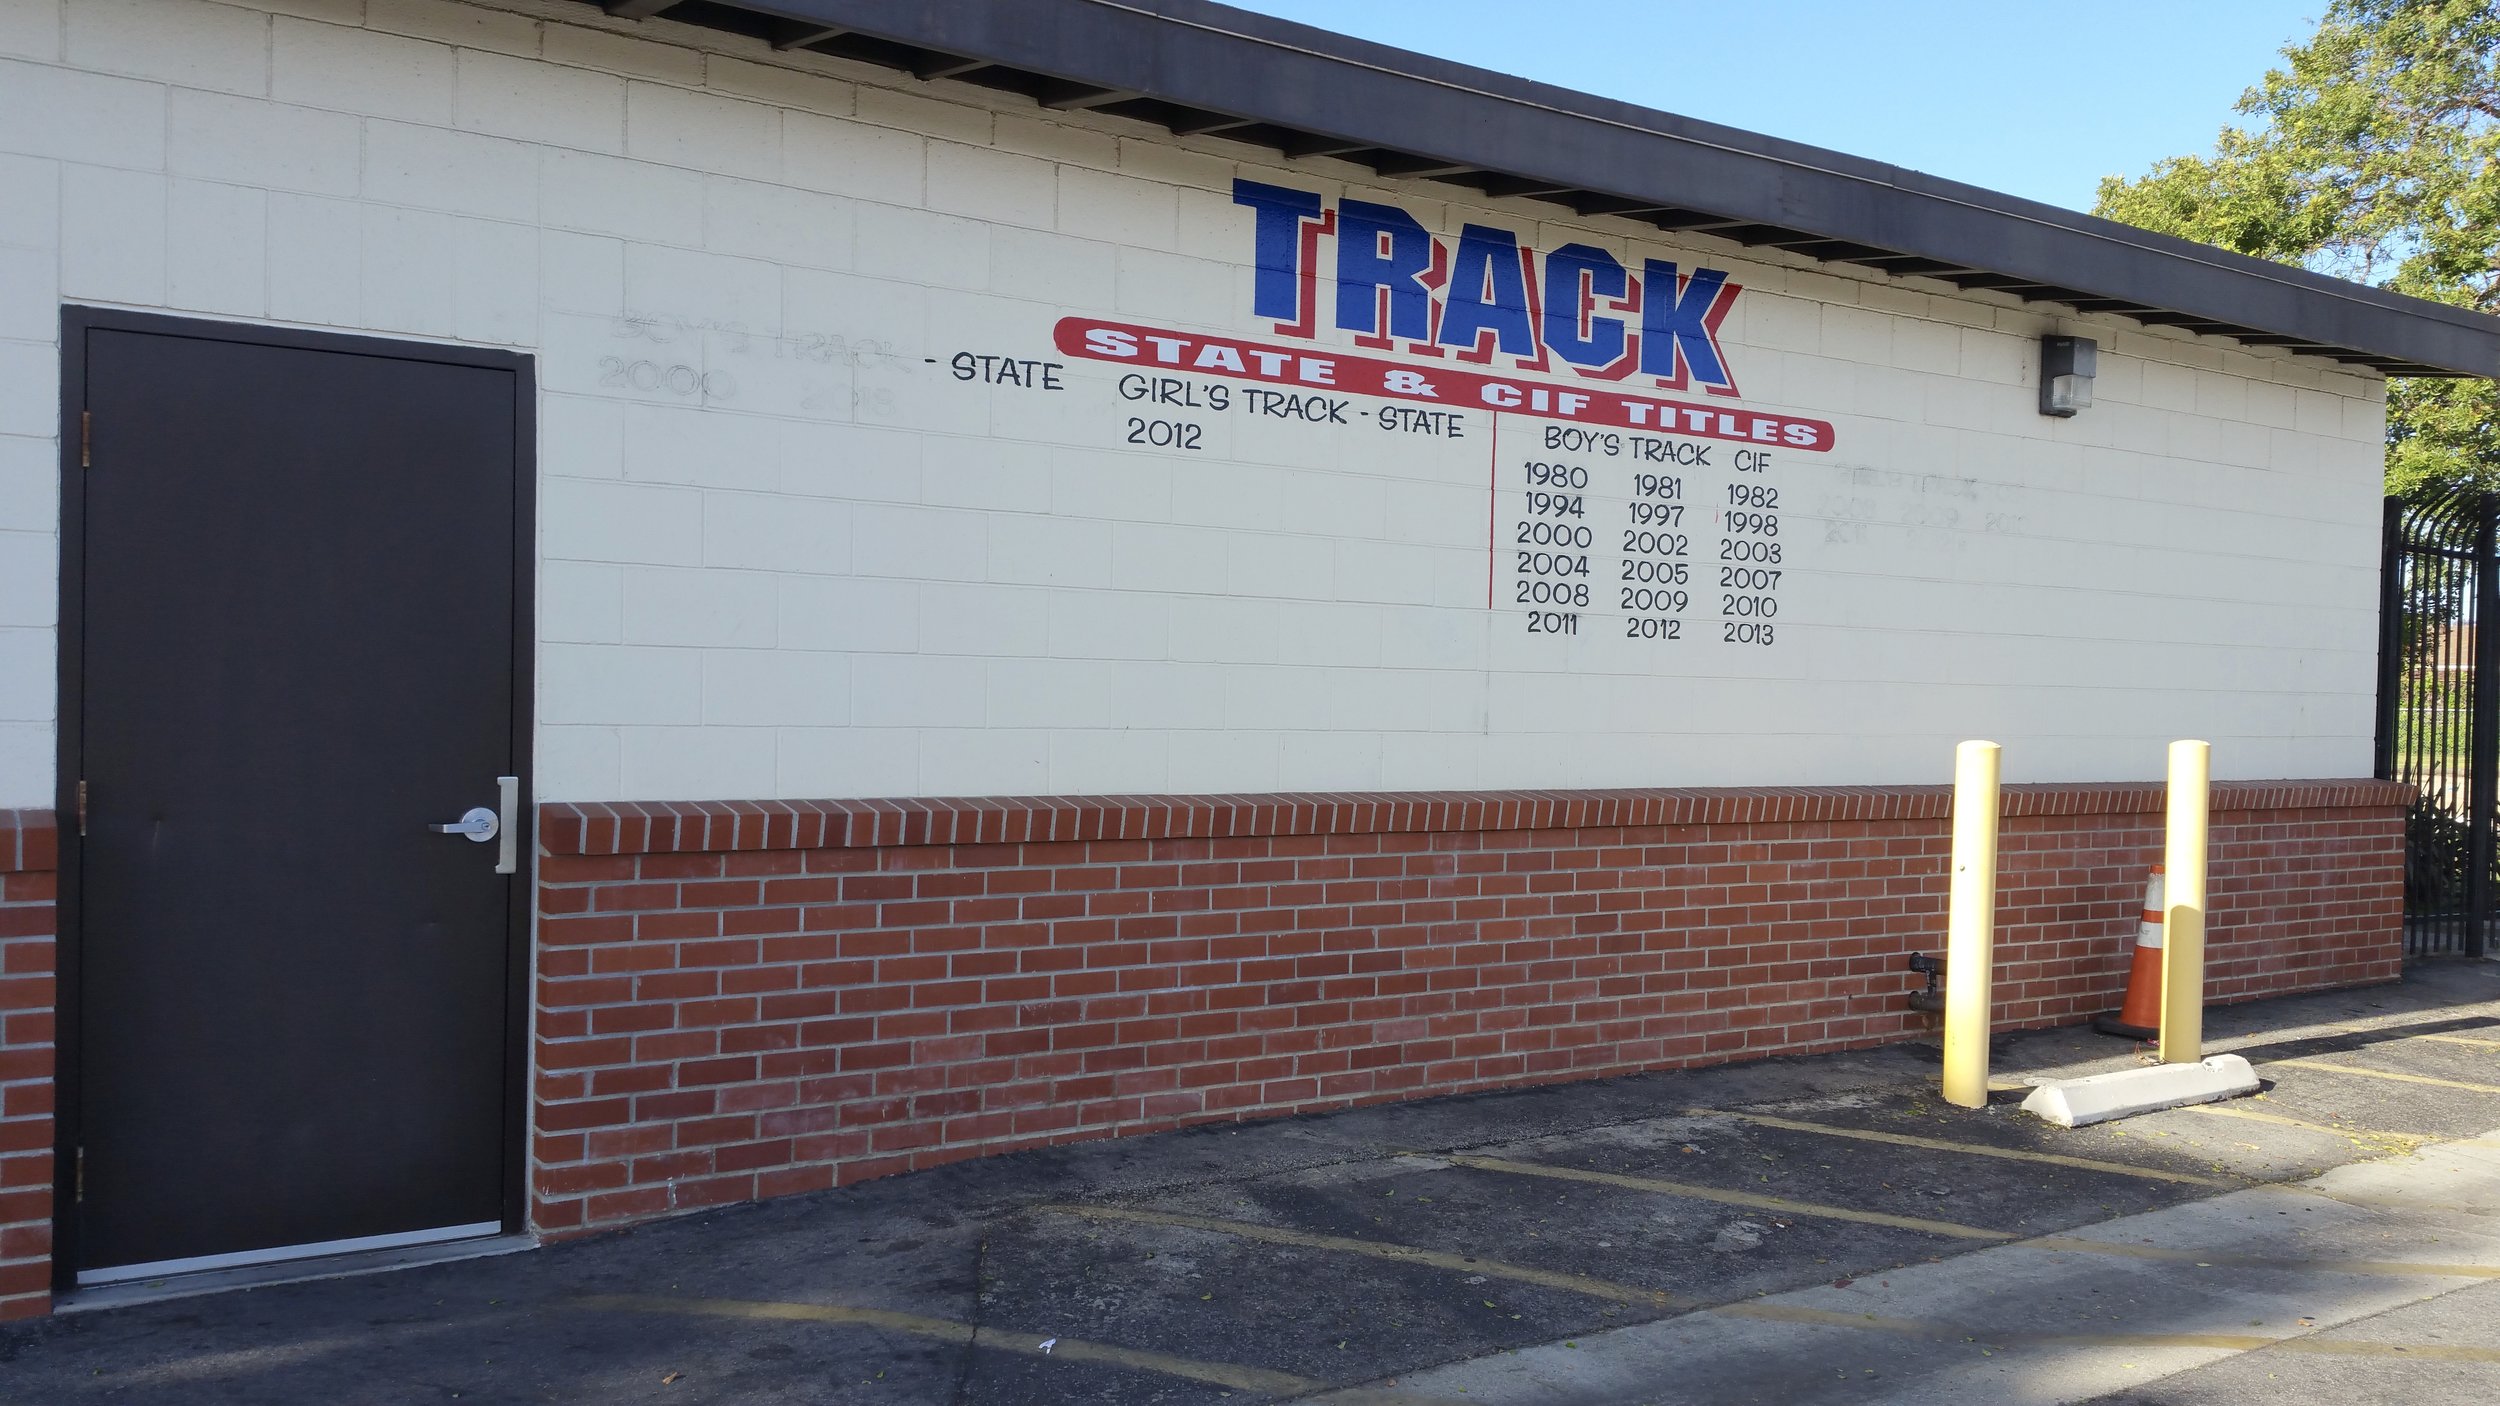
(30, 842)
(675, 827)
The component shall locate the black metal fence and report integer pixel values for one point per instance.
(2438, 723)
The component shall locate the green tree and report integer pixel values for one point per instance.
(2374, 154)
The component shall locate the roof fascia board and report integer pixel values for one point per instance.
(1213, 57)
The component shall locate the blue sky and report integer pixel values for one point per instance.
(2040, 98)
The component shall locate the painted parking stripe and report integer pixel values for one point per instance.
(2398, 1031)
(947, 1330)
(2461, 1040)
(1974, 1149)
(2382, 1074)
(2347, 1347)
(2372, 1201)
(2227, 1342)
(1617, 1292)
(1381, 1250)
(1833, 1318)
(2216, 1110)
(1779, 1204)
(2207, 1259)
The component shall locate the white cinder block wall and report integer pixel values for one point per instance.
(784, 553)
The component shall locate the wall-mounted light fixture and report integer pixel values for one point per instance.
(2066, 374)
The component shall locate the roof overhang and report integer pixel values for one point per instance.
(1202, 69)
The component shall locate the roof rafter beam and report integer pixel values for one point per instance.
(1504, 186)
(1400, 163)
(1205, 124)
(798, 34)
(1913, 265)
(1060, 95)
(1838, 251)
(1797, 239)
(1756, 235)
(937, 66)
(1678, 219)
(1302, 144)
(1596, 203)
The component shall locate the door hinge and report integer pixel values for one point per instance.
(86, 439)
(82, 806)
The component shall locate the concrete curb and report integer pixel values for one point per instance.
(2097, 1098)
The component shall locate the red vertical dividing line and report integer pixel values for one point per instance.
(1492, 507)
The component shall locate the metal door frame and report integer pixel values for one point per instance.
(520, 934)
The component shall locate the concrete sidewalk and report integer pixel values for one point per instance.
(1789, 1231)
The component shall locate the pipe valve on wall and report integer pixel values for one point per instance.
(1930, 999)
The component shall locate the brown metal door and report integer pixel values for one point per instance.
(293, 573)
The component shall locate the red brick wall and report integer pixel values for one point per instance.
(745, 1000)
(28, 844)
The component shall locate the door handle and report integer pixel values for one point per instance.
(479, 824)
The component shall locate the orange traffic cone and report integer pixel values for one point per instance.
(2140, 1017)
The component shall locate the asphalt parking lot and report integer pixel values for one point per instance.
(1789, 1231)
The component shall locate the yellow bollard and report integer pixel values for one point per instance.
(2183, 908)
(1970, 924)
